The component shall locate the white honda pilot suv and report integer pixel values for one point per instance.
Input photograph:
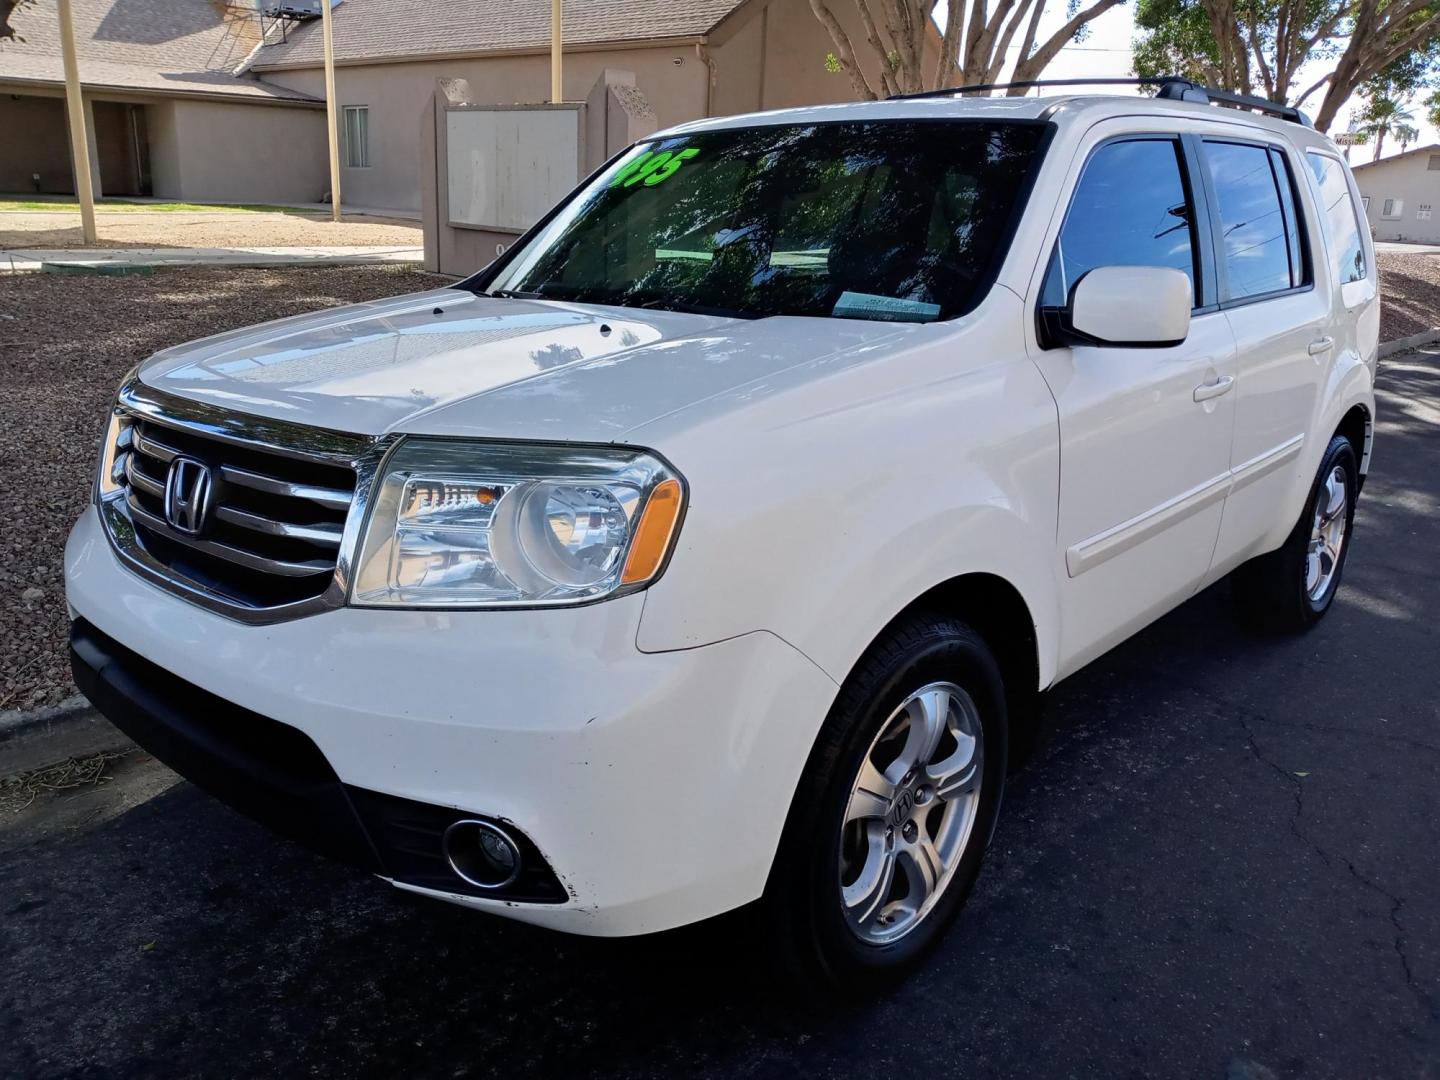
(714, 544)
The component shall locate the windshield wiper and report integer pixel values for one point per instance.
(659, 304)
(514, 294)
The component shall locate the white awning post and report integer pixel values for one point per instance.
(331, 125)
(557, 33)
(79, 136)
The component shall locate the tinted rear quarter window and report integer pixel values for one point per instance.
(1341, 220)
(1130, 208)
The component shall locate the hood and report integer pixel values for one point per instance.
(451, 362)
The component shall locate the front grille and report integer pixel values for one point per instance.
(275, 521)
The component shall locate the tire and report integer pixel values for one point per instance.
(926, 674)
(1285, 590)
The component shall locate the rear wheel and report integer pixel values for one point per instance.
(1293, 586)
(895, 809)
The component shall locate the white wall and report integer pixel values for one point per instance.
(399, 94)
(1412, 182)
(164, 141)
(224, 152)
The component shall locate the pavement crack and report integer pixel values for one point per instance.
(1297, 788)
(1397, 903)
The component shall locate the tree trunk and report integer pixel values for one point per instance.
(975, 41)
(844, 51)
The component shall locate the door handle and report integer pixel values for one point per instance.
(1222, 385)
(1321, 345)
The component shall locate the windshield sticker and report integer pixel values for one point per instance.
(869, 306)
(653, 168)
(684, 254)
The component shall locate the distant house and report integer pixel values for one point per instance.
(173, 111)
(1402, 195)
(691, 59)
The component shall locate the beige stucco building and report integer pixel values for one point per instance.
(173, 110)
(691, 59)
(205, 100)
(1402, 195)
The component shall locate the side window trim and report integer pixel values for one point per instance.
(1202, 241)
(1217, 230)
(1207, 224)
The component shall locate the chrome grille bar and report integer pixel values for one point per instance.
(137, 479)
(324, 535)
(249, 560)
(157, 450)
(332, 498)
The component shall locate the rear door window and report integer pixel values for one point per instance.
(1254, 198)
(1341, 218)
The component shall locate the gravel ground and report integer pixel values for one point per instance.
(65, 342)
(1410, 285)
(130, 228)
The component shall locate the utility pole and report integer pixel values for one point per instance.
(333, 133)
(79, 135)
(557, 33)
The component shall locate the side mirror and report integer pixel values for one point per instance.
(1130, 306)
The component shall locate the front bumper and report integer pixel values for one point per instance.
(654, 785)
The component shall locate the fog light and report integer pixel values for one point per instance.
(481, 853)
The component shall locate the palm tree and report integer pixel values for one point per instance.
(1405, 134)
(1386, 116)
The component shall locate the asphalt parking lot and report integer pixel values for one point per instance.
(1224, 861)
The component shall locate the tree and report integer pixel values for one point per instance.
(1387, 100)
(1259, 46)
(1385, 116)
(973, 48)
(7, 11)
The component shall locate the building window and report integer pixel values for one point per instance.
(357, 136)
(1434, 165)
(1392, 208)
(1365, 202)
(1422, 212)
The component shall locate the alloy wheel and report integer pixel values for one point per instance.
(1327, 534)
(911, 811)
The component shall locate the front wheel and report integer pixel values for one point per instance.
(895, 809)
(1292, 587)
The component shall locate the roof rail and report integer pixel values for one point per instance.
(1172, 88)
(1184, 90)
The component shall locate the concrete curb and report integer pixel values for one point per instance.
(1414, 341)
(71, 729)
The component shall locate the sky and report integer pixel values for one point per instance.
(1106, 53)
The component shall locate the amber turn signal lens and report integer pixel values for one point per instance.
(652, 537)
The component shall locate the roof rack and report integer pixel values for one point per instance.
(1172, 88)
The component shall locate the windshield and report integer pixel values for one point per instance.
(887, 220)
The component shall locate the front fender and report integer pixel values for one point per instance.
(821, 508)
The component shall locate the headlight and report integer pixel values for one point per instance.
(473, 524)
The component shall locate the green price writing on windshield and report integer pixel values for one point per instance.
(653, 168)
